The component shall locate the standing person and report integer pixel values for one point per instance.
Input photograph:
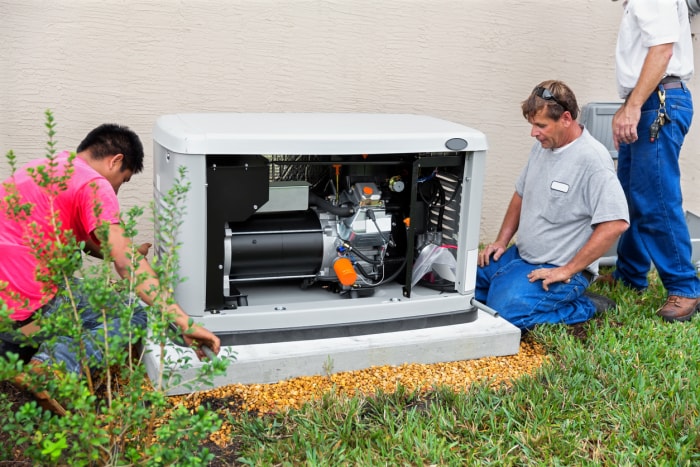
(567, 210)
(105, 160)
(654, 60)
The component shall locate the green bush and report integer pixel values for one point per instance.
(114, 415)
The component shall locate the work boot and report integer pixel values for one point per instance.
(43, 398)
(601, 302)
(678, 308)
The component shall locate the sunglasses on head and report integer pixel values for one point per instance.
(547, 95)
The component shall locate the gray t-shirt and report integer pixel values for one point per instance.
(566, 192)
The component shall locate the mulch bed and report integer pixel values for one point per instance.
(275, 397)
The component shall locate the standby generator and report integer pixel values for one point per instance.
(302, 226)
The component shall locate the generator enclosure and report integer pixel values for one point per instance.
(300, 226)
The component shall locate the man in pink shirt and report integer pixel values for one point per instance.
(105, 160)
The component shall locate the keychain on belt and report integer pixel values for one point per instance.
(660, 116)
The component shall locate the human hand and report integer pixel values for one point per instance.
(491, 249)
(624, 125)
(197, 337)
(549, 276)
(143, 248)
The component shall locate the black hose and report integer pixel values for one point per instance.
(370, 214)
(362, 271)
(437, 199)
(390, 278)
(363, 256)
(325, 205)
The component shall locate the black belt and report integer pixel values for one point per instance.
(671, 82)
(588, 275)
(19, 324)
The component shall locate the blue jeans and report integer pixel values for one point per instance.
(63, 349)
(503, 285)
(650, 176)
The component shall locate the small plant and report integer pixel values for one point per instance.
(115, 416)
(328, 366)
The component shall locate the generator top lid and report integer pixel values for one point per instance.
(312, 133)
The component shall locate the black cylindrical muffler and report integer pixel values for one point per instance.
(274, 246)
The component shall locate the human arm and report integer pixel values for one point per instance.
(602, 238)
(509, 227)
(120, 248)
(143, 248)
(93, 248)
(626, 119)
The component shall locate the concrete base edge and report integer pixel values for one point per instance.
(488, 336)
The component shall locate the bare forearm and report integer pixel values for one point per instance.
(511, 221)
(93, 249)
(152, 292)
(626, 119)
(601, 240)
(603, 237)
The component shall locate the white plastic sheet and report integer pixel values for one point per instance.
(437, 259)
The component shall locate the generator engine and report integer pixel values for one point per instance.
(344, 241)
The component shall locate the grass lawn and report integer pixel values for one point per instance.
(622, 389)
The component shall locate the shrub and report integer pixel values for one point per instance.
(115, 416)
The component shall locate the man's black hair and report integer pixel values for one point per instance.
(109, 139)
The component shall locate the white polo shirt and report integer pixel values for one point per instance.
(647, 23)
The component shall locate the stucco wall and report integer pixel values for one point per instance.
(470, 61)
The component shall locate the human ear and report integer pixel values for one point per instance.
(116, 161)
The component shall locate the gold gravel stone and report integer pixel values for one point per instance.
(293, 393)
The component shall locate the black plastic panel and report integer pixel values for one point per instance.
(348, 330)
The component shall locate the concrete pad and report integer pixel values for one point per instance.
(487, 336)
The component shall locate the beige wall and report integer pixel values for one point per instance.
(470, 61)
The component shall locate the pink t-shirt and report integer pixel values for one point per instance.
(76, 209)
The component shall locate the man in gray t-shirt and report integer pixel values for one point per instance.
(567, 210)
